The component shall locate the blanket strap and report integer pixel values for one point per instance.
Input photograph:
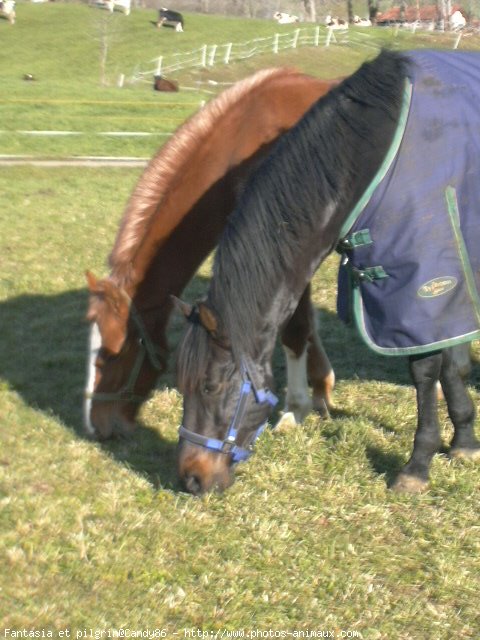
(359, 238)
(369, 274)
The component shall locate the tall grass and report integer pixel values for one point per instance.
(95, 537)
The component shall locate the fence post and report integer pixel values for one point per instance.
(457, 41)
(295, 38)
(275, 43)
(317, 36)
(203, 61)
(330, 37)
(211, 57)
(228, 52)
(158, 72)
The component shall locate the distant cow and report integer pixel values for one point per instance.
(162, 84)
(7, 9)
(285, 18)
(123, 5)
(457, 21)
(336, 23)
(169, 18)
(362, 22)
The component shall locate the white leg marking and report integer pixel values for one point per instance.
(298, 399)
(94, 344)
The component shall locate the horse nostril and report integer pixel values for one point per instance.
(193, 484)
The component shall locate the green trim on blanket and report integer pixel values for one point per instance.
(452, 208)
(358, 310)
(402, 351)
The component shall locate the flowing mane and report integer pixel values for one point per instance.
(284, 200)
(167, 166)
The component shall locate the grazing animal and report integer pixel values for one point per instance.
(7, 9)
(285, 18)
(457, 21)
(169, 18)
(316, 192)
(336, 23)
(162, 84)
(362, 22)
(172, 221)
(123, 5)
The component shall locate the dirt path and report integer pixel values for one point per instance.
(86, 161)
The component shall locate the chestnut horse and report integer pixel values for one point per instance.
(397, 186)
(171, 223)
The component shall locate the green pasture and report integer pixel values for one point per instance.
(99, 538)
(77, 54)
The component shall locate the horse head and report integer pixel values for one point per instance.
(225, 403)
(123, 363)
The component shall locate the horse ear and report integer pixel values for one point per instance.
(208, 318)
(92, 281)
(182, 306)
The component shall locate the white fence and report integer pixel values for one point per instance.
(313, 36)
(210, 55)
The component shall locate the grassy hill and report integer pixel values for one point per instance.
(77, 53)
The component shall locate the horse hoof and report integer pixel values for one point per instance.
(321, 407)
(299, 405)
(463, 453)
(286, 422)
(409, 484)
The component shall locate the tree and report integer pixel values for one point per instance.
(350, 11)
(372, 10)
(444, 10)
(310, 10)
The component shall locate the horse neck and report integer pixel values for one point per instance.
(250, 123)
(180, 237)
(273, 275)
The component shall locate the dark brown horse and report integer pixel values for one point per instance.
(396, 188)
(171, 223)
(162, 84)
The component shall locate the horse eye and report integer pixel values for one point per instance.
(210, 389)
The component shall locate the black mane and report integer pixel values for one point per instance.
(312, 167)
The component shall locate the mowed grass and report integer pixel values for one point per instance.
(99, 537)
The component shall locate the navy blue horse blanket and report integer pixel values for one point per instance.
(411, 247)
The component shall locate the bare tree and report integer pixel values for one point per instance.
(310, 10)
(106, 27)
(350, 11)
(444, 10)
(372, 10)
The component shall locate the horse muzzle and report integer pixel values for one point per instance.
(201, 470)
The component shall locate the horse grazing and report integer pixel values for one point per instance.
(7, 9)
(169, 18)
(162, 84)
(316, 192)
(171, 223)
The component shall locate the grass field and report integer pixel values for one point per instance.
(96, 538)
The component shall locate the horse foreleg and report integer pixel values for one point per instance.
(320, 373)
(461, 410)
(425, 372)
(297, 401)
(307, 363)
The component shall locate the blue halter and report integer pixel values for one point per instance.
(229, 444)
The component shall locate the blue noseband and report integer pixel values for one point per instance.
(229, 444)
